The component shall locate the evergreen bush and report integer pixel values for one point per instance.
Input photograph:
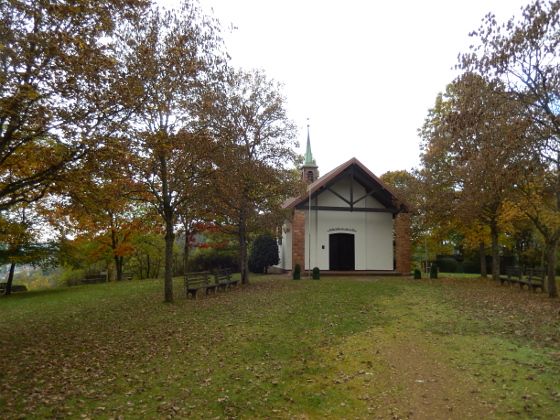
(207, 259)
(447, 265)
(433, 271)
(264, 253)
(316, 273)
(297, 272)
(470, 267)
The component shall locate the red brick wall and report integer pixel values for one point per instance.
(298, 239)
(402, 239)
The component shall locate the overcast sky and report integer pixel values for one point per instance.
(365, 72)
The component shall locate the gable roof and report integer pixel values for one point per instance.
(372, 184)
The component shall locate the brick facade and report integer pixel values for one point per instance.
(298, 239)
(402, 243)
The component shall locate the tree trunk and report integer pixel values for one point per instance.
(148, 267)
(551, 260)
(168, 276)
(10, 279)
(119, 267)
(244, 262)
(114, 246)
(495, 253)
(168, 215)
(483, 268)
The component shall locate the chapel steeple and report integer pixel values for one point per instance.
(309, 169)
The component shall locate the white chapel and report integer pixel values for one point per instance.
(349, 220)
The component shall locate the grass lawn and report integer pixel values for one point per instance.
(335, 348)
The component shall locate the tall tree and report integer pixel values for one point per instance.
(523, 56)
(170, 60)
(472, 155)
(56, 72)
(254, 177)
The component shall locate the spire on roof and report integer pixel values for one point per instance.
(308, 156)
(309, 169)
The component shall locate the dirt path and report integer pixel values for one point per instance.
(428, 388)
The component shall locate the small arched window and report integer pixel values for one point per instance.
(310, 175)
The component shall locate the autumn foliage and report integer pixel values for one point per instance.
(490, 144)
(119, 129)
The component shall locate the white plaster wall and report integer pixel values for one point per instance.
(373, 238)
(379, 241)
(373, 231)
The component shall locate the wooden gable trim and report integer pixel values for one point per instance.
(354, 169)
(350, 209)
(371, 188)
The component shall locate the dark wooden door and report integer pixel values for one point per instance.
(341, 252)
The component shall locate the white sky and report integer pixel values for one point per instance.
(365, 72)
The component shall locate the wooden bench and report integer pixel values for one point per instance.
(15, 288)
(533, 280)
(223, 279)
(514, 275)
(95, 278)
(197, 281)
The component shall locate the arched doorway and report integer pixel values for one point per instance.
(341, 252)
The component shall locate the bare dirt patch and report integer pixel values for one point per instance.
(429, 389)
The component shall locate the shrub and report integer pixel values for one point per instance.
(417, 274)
(264, 253)
(470, 267)
(297, 272)
(72, 277)
(433, 271)
(316, 273)
(447, 265)
(206, 259)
